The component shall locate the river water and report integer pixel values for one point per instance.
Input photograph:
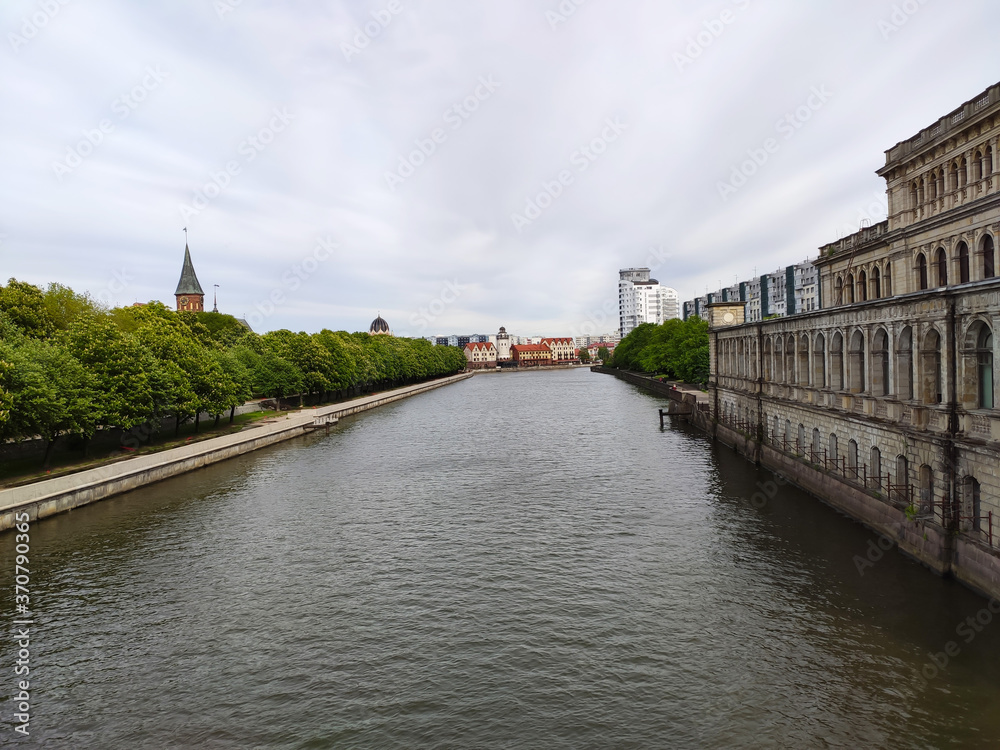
(515, 561)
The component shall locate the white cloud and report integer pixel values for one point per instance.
(450, 220)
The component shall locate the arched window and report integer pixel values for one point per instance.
(914, 198)
(834, 456)
(777, 430)
(902, 479)
(817, 445)
(904, 363)
(767, 360)
(988, 162)
(930, 367)
(963, 173)
(779, 360)
(954, 175)
(849, 288)
(839, 290)
(887, 279)
(800, 441)
(922, 270)
(989, 257)
(972, 506)
(852, 457)
(977, 166)
(963, 263)
(819, 362)
(941, 261)
(790, 359)
(926, 489)
(880, 363)
(857, 362)
(837, 362)
(875, 468)
(876, 283)
(803, 357)
(788, 432)
(862, 286)
(984, 357)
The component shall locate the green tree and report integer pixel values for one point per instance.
(121, 367)
(24, 305)
(52, 393)
(63, 306)
(585, 356)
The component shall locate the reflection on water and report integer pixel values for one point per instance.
(513, 561)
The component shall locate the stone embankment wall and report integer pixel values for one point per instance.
(51, 496)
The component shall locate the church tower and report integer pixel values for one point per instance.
(189, 294)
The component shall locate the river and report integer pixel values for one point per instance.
(514, 561)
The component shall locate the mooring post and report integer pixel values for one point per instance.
(661, 419)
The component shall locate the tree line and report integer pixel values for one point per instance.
(70, 366)
(676, 349)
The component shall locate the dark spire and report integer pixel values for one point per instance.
(188, 283)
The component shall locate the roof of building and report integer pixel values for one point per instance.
(479, 345)
(565, 340)
(188, 283)
(378, 325)
(530, 348)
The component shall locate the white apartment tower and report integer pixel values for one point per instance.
(642, 300)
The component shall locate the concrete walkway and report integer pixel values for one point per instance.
(50, 496)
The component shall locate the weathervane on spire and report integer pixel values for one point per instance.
(215, 301)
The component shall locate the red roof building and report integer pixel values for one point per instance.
(563, 349)
(531, 355)
(480, 355)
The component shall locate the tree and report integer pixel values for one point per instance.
(603, 354)
(585, 356)
(52, 393)
(121, 367)
(24, 305)
(63, 305)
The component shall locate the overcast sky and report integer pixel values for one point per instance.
(457, 165)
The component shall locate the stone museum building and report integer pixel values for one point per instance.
(882, 401)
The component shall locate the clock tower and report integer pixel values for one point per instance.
(189, 294)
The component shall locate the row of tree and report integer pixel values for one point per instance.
(70, 366)
(676, 349)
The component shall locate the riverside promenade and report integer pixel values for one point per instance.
(51, 496)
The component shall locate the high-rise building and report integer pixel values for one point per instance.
(642, 300)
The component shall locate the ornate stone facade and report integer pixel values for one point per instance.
(887, 393)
